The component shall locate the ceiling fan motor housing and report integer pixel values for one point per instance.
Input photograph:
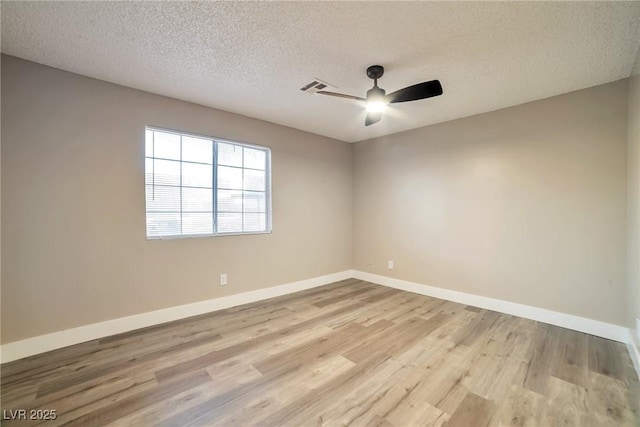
(376, 94)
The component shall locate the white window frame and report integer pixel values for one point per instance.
(215, 140)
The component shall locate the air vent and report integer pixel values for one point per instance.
(317, 85)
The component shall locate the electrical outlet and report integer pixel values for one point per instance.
(223, 280)
(390, 264)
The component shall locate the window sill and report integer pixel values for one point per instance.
(195, 236)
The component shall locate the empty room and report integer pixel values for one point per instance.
(320, 213)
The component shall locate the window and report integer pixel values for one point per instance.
(201, 186)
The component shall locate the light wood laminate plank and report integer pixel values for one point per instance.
(349, 353)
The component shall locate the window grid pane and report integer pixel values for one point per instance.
(182, 173)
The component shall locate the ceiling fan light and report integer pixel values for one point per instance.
(376, 106)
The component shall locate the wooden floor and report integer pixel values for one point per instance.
(351, 353)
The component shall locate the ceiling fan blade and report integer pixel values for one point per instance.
(372, 118)
(341, 95)
(415, 92)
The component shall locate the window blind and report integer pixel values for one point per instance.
(201, 186)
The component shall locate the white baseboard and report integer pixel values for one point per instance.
(634, 350)
(43, 343)
(40, 344)
(569, 321)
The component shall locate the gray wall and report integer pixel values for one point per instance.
(633, 254)
(73, 205)
(525, 204)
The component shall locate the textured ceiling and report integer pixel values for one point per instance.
(251, 58)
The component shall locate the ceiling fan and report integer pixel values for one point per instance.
(377, 99)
